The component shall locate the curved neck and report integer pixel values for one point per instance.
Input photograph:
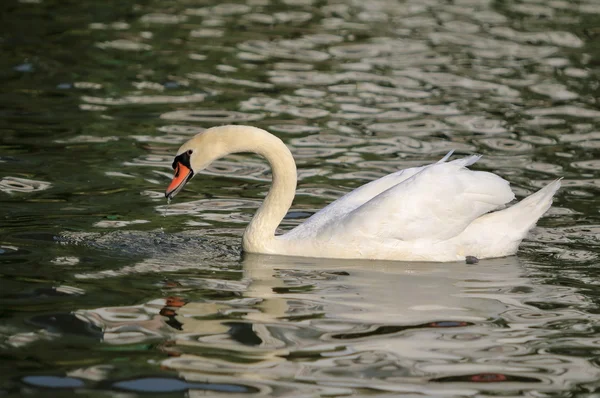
(260, 233)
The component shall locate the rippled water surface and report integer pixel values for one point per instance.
(107, 290)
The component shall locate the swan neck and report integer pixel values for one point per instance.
(260, 233)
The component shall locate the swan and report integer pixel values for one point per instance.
(438, 212)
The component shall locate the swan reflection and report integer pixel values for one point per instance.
(301, 324)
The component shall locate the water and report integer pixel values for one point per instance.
(106, 290)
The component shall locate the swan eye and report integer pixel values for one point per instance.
(183, 158)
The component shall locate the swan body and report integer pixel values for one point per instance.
(438, 212)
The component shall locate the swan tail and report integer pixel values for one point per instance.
(542, 199)
(524, 215)
(499, 233)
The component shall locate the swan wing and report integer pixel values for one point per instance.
(434, 204)
(353, 200)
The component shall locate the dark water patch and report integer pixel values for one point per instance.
(243, 333)
(165, 385)
(141, 385)
(66, 324)
(385, 330)
(486, 378)
(53, 382)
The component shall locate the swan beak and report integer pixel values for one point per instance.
(181, 177)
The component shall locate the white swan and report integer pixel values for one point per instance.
(429, 213)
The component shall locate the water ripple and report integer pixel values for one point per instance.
(299, 78)
(587, 164)
(545, 168)
(451, 80)
(224, 9)
(87, 139)
(478, 124)
(145, 99)
(419, 127)
(565, 39)
(305, 152)
(355, 51)
(276, 50)
(180, 129)
(555, 91)
(486, 47)
(259, 18)
(163, 19)
(293, 17)
(118, 223)
(568, 110)
(293, 129)
(327, 140)
(244, 169)
(307, 113)
(427, 58)
(506, 144)
(391, 91)
(211, 115)
(206, 33)
(23, 185)
(227, 80)
(534, 10)
(113, 25)
(123, 44)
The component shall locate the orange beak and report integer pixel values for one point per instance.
(181, 177)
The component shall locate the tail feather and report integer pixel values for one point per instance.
(499, 233)
(464, 162)
(443, 160)
(524, 215)
(535, 205)
(469, 160)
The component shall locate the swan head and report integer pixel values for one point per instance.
(214, 143)
(192, 157)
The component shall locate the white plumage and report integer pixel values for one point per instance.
(438, 212)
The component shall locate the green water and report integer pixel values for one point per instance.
(105, 289)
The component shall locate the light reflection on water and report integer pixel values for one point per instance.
(318, 323)
(142, 296)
